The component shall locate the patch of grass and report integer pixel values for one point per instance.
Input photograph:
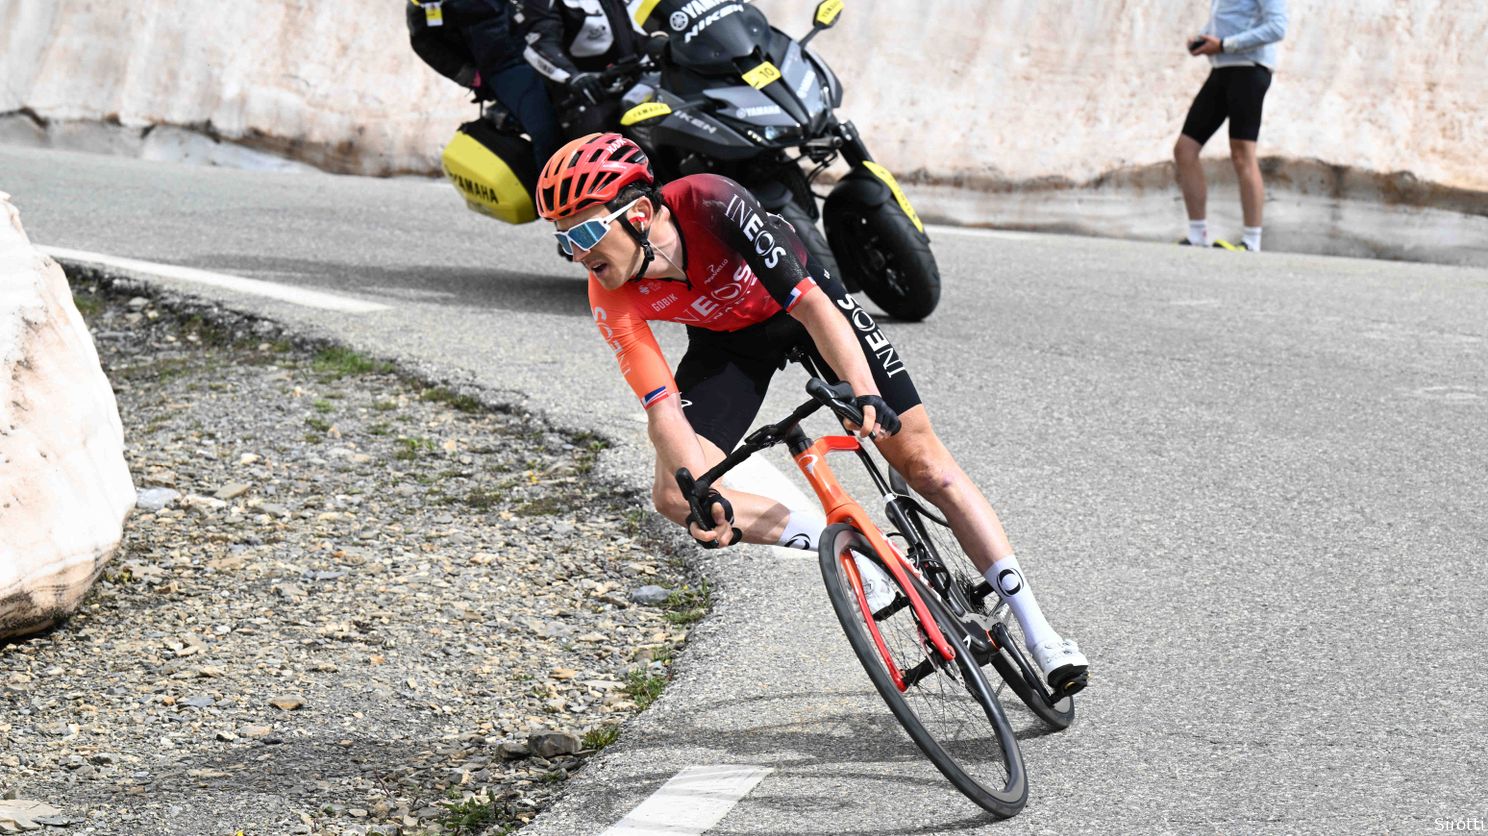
(318, 424)
(476, 815)
(380, 428)
(322, 406)
(439, 394)
(385, 406)
(601, 737)
(410, 448)
(688, 605)
(338, 362)
(545, 506)
(207, 332)
(314, 438)
(482, 499)
(590, 446)
(643, 687)
(633, 520)
(87, 304)
(664, 654)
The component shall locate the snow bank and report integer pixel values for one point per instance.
(1008, 104)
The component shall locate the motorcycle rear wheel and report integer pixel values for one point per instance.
(881, 251)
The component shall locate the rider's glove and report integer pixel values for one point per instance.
(882, 414)
(712, 498)
(587, 85)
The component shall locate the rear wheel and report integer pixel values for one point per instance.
(883, 252)
(962, 575)
(947, 708)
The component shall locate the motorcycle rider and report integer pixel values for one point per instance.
(701, 251)
(475, 44)
(571, 42)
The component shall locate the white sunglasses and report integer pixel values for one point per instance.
(588, 234)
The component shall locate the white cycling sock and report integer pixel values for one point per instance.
(1007, 578)
(802, 530)
(1252, 238)
(1198, 232)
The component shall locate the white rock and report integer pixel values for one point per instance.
(65, 489)
(153, 499)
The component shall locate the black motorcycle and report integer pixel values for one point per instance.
(730, 94)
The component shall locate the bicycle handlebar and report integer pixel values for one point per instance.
(836, 397)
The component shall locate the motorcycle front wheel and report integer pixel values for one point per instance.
(880, 250)
(816, 243)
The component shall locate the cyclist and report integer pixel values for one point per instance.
(702, 252)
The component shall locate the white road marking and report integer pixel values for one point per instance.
(977, 232)
(253, 287)
(690, 803)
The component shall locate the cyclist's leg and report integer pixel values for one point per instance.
(918, 454)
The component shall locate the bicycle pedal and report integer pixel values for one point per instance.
(1069, 686)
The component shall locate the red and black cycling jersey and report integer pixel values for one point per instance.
(743, 265)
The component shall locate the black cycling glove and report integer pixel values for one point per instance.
(714, 497)
(882, 414)
(587, 86)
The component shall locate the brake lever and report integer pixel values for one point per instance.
(689, 490)
(838, 398)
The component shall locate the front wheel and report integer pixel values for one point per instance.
(947, 708)
(880, 250)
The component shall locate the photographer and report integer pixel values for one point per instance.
(475, 44)
(571, 42)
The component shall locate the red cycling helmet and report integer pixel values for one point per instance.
(590, 171)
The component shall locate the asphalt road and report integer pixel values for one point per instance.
(1254, 487)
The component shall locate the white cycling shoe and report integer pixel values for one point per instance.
(1063, 665)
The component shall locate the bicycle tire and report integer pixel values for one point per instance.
(947, 549)
(838, 544)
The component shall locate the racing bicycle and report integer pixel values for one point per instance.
(919, 616)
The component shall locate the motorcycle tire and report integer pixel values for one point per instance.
(816, 243)
(882, 251)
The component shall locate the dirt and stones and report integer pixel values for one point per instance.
(360, 604)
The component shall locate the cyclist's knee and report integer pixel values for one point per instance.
(930, 475)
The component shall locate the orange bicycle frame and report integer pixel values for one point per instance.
(840, 507)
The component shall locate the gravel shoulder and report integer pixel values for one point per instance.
(349, 601)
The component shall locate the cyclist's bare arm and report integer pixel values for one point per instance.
(760, 518)
(834, 338)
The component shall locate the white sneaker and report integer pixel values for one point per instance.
(878, 587)
(1062, 664)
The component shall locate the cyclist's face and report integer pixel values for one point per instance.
(617, 256)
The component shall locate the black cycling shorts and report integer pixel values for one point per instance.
(724, 375)
(1233, 93)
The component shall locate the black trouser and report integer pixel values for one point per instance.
(724, 375)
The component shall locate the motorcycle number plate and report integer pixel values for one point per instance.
(762, 75)
(434, 12)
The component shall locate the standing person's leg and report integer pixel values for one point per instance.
(1246, 95)
(1205, 115)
